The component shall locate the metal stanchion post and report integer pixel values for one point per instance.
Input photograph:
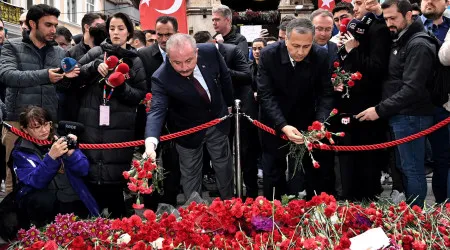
(238, 170)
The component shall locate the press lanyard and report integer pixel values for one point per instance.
(106, 99)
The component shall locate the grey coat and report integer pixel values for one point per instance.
(25, 75)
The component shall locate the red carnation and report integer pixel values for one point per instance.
(51, 245)
(132, 187)
(356, 76)
(38, 245)
(150, 215)
(336, 64)
(126, 175)
(317, 125)
(316, 164)
(334, 112)
(334, 75)
(345, 242)
(138, 206)
(78, 242)
(148, 96)
(351, 83)
(340, 134)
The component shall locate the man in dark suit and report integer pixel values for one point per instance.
(191, 88)
(152, 57)
(241, 77)
(294, 89)
(323, 24)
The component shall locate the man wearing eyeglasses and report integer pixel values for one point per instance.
(323, 23)
(153, 57)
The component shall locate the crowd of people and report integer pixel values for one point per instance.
(397, 47)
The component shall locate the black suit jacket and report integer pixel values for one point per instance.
(332, 53)
(292, 96)
(152, 58)
(240, 75)
(175, 96)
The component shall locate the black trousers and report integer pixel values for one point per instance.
(2, 160)
(41, 207)
(171, 181)
(308, 178)
(109, 196)
(361, 170)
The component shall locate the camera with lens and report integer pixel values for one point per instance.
(68, 127)
(71, 143)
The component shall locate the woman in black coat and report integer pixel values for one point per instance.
(106, 166)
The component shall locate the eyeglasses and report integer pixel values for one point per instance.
(45, 125)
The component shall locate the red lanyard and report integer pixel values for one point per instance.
(106, 99)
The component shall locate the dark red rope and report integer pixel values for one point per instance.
(364, 147)
(123, 144)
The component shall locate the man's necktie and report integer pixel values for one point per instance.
(199, 88)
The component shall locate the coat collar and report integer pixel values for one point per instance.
(286, 59)
(415, 27)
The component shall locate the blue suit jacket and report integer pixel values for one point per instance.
(176, 100)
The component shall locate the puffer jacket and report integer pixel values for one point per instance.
(25, 75)
(107, 165)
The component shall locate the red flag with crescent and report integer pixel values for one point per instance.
(150, 10)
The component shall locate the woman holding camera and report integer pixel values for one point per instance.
(108, 112)
(49, 176)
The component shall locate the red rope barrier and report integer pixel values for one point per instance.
(195, 129)
(362, 147)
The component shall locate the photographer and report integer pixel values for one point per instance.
(50, 175)
(364, 48)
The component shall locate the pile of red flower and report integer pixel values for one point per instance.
(321, 223)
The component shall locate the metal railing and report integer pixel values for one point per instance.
(10, 13)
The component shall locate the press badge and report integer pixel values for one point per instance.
(104, 115)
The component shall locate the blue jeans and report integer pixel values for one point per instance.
(412, 154)
(440, 146)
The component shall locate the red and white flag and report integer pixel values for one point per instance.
(326, 4)
(150, 10)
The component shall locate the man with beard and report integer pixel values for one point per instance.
(23, 25)
(435, 22)
(30, 70)
(406, 101)
(368, 54)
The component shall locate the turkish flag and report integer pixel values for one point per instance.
(326, 4)
(150, 10)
